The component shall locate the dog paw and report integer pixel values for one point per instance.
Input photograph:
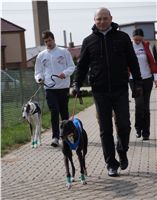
(72, 179)
(39, 144)
(32, 145)
(69, 181)
(82, 177)
(69, 185)
(35, 144)
(83, 182)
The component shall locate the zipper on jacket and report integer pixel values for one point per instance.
(101, 48)
(108, 65)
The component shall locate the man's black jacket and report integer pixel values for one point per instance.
(108, 59)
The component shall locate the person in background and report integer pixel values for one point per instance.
(142, 103)
(53, 68)
(106, 53)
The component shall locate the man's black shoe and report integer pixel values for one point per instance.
(123, 160)
(113, 172)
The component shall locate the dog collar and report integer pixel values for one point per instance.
(79, 130)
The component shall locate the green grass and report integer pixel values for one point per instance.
(14, 136)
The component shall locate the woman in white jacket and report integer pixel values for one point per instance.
(53, 68)
(142, 103)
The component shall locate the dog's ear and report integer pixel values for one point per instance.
(28, 108)
(71, 124)
(66, 127)
(67, 124)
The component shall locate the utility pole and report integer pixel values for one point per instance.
(71, 43)
(41, 20)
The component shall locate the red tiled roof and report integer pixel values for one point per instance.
(7, 26)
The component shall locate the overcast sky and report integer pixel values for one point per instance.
(75, 16)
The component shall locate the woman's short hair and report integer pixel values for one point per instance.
(138, 32)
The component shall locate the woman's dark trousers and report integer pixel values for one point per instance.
(142, 108)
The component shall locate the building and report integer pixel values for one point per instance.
(13, 50)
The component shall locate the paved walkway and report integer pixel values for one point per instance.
(39, 174)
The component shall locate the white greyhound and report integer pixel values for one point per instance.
(32, 113)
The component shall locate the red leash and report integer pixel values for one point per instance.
(74, 107)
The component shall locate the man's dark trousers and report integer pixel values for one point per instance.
(118, 102)
(57, 100)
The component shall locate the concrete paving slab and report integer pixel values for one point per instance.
(39, 174)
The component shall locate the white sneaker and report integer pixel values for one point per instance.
(55, 142)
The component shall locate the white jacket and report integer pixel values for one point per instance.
(143, 61)
(54, 62)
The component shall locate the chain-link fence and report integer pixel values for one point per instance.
(17, 87)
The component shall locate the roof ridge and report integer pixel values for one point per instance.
(11, 24)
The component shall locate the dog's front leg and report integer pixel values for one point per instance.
(39, 129)
(80, 157)
(68, 181)
(36, 131)
(32, 133)
(73, 168)
(38, 135)
(33, 139)
(35, 136)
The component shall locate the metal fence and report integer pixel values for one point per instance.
(17, 87)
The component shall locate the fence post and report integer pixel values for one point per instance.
(21, 86)
(2, 111)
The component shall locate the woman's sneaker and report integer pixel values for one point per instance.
(55, 142)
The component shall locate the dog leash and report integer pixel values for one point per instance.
(74, 107)
(35, 93)
(54, 83)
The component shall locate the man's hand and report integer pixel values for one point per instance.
(62, 76)
(76, 92)
(40, 81)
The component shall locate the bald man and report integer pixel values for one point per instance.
(106, 55)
